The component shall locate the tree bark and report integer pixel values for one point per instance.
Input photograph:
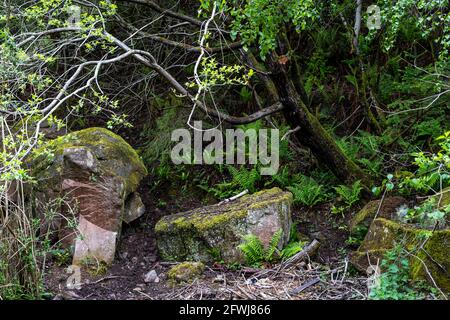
(311, 133)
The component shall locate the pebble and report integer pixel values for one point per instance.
(219, 279)
(151, 277)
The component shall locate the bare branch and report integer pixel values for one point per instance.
(184, 46)
(178, 87)
(166, 12)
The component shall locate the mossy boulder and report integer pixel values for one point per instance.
(92, 177)
(444, 197)
(429, 250)
(185, 272)
(386, 208)
(212, 233)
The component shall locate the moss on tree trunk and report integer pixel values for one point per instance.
(311, 133)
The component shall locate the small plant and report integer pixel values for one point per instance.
(357, 236)
(307, 192)
(350, 195)
(427, 215)
(241, 179)
(295, 244)
(256, 255)
(386, 185)
(393, 283)
(281, 178)
(292, 249)
(433, 169)
(62, 256)
(254, 251)
(94, 267)
(161, 204)
(244, 177)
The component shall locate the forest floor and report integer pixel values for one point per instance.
(327, 275)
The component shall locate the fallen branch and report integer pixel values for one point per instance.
(304, 286)
(297, 258)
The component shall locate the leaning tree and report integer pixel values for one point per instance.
(66, 58)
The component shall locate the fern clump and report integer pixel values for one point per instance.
(348, 196)
(294, 246)
(244, 178)
(292, 249)
(241, 179)
(256, 255)
(254, 251)
(308, 192)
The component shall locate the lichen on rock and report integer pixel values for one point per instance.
(201, 234)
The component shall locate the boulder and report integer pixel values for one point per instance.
(429, 250)
(444, 197)
(214, 232)
(360, 223)
(90, 178)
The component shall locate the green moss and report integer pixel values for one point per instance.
(435, 256)
(364, 217)
(161, 226)
(185, 272)
(106, 146)
(193, 234)
(364, 214)
(199, 220)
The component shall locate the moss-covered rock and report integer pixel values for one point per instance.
(386, 208)
(96, 174)
(213, 233)
(429, 250)
(185, 272)
(113, 154)
(444, 197)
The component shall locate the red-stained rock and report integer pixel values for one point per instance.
(90, 180)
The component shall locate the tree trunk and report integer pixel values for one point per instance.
(311, 133)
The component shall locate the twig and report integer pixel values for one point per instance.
(290, 132)
(304, 286)
(305, 253)
(104, 279)
(234, 197)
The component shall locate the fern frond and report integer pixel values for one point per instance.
(291, 249)
(307, 192)
(273, 244)
(253, 250)
(244, 178)
(350, 195)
